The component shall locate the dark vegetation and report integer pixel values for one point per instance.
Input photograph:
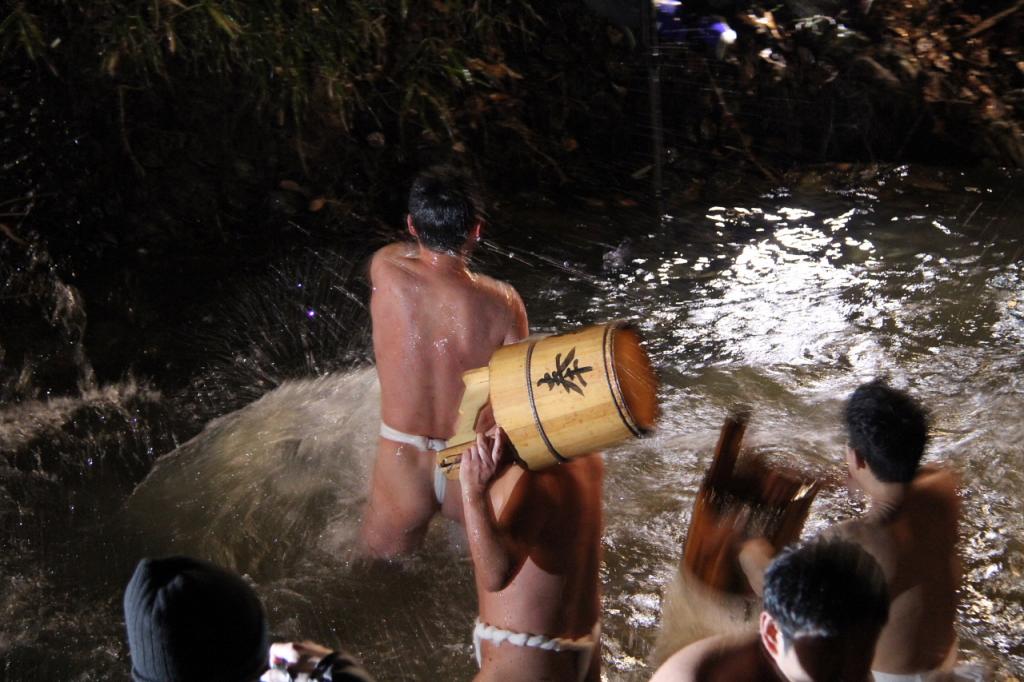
(157, 152)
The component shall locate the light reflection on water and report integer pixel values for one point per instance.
(788, 304)
(782, 302)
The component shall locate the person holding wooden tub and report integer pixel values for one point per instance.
(531, 494)
(535, 540)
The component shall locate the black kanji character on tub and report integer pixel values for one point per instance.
(564, 375)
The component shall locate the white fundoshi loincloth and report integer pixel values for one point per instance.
(421, 443)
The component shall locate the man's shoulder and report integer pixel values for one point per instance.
(936, 479)
(934, 497)
(556, 478)
(393, 254)
(494, 285)
(521, 490)
(498, 298)
(695, 661)
(393, 260)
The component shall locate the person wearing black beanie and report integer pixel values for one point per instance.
(191, 621)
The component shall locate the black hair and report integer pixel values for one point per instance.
(888, 429)
(825, 588)
(444, 205)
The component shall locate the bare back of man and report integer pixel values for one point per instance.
(433, 319)
(914, 541)
(724, 658)
(548, 527)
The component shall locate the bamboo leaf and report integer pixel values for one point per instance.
(31, 37)
(7, 22)
(226, 23)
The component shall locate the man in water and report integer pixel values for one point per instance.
(825, 603)
(433, 319)
(910, 528)
(535, 539)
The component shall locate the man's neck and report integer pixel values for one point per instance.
(886, 500)
(443, 260)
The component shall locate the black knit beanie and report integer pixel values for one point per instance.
(190, 621)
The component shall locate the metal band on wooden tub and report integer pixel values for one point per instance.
(611, 375)
(533, 406)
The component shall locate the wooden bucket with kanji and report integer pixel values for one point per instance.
(562, 396)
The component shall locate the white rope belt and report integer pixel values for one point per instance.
(498, 636)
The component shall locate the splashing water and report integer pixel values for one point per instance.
(255, 486)
(784, 301)
(306, 317)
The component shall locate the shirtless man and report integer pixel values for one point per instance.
(910, 528)
(535, 539)
(824, 604)
(433, 319)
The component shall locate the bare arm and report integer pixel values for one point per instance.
(492, 559)
(754, 557)
(520, 327)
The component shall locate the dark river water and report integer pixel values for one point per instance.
(783, 300)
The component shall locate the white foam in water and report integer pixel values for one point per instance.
(276, 491)
(288, 470)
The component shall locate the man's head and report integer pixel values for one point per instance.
(190, 621)
(888, 430)
(825, 603)
(444, 209)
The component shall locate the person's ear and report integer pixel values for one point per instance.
(477, 231)
(855, 459)
(771, 638)
(410, 226)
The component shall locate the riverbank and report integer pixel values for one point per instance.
(155, 153)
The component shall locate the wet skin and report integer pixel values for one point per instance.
(720, 659)
(535, 539)
(911, 530)
(764, 657)
(432, 319)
